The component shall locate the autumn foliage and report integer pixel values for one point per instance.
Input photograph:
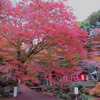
(96, 90)
(34, 35)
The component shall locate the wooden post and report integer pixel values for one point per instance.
(76, 96)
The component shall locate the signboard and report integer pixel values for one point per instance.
(15, 92)
(75, 90)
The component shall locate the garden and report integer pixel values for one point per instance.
(43, 46)
(87, 90)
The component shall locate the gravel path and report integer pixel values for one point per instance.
(29, 94)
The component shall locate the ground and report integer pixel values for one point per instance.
(29, 94)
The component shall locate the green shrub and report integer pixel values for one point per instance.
(55, 93)
(6, 94)
(56, 84)
(59, 95)
(11, 82)
(27, 83)
(64, 96)
(1, 83)
(66, 89)
(85, 90)
(83, 97)
(78, 84)
(94, 81)
(56, 88)
(71, 95)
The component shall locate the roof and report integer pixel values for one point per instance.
(95, 72)
(83, 72)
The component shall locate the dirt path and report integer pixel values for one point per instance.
(28, 94)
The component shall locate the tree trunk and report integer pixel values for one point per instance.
(46, 79)
(50, 78)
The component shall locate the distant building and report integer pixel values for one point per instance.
(80, 76)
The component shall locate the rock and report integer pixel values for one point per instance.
(0, 95)
(6, 89)
(11, 88)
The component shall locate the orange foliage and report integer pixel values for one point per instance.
(95, 90)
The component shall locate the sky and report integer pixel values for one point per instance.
(83, 8)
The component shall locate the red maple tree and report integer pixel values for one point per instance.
(33, 26)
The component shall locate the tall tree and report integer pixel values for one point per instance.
(92, 21)
(33, 26)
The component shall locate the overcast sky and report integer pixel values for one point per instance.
(83, 8)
